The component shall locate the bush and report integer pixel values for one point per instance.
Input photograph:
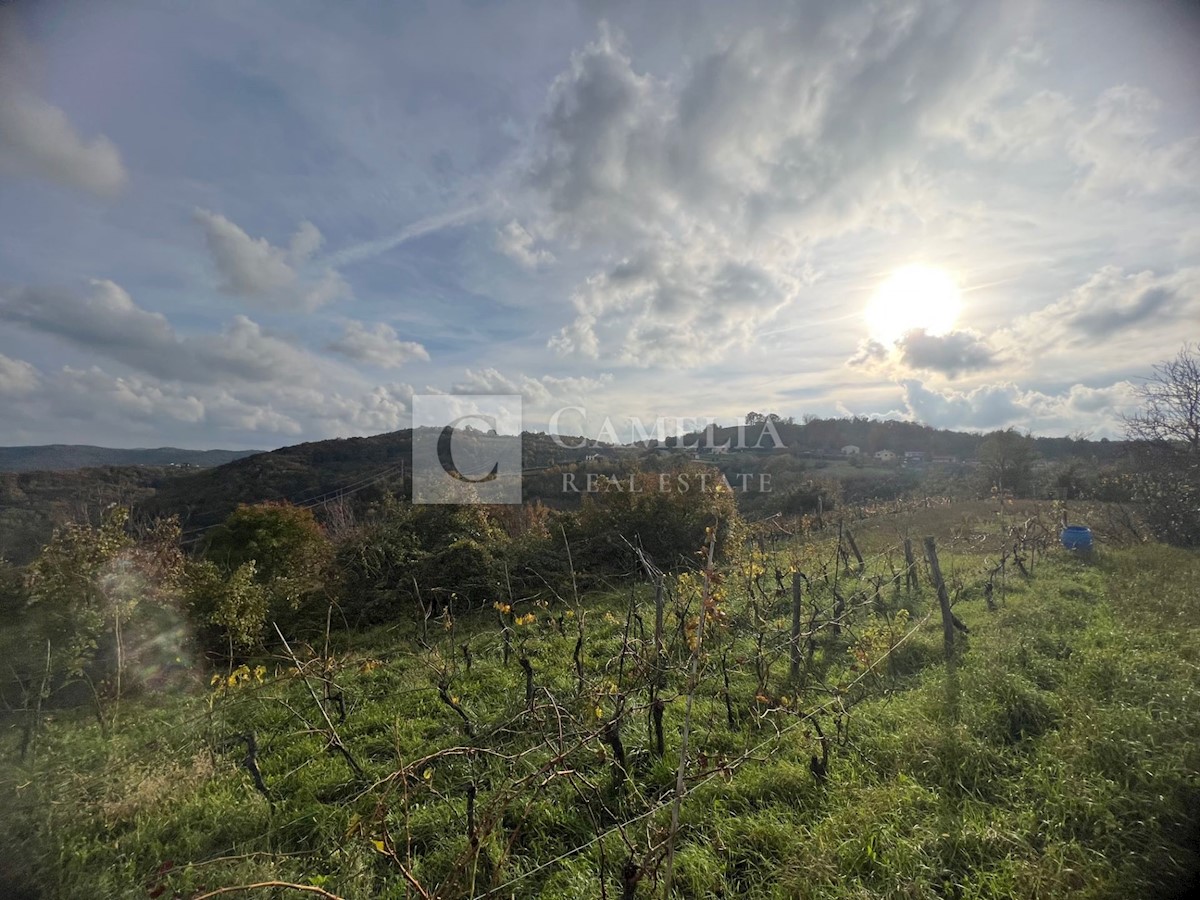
(665, 513)
(290, 555)
(453, 553)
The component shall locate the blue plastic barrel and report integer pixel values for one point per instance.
(1077, 537)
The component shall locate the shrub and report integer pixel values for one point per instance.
(290, 555)
(665, 513)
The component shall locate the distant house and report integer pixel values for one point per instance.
(944, 460)
(850, 450)
(914, 456)
(885, 455)
(715, 450)
(592, 457)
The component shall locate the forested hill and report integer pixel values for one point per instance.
(872, 435)
(364, 468)
(67, 457)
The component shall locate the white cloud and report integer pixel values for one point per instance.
(1131, 313)
(254, 269)
(378, 346)
(1120, 151)
(78, 393)
(17, 377)
(515, 242)
(536, 392)
(106, 321)
(1005, 404)
(676, 308)
(708, 189)
(36, 136)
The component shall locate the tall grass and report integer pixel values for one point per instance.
(1068, 765)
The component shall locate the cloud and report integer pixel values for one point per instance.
(870, 354)
(83, 394)
(383, 408)
(112, 407)
(519, 245)
(254, 269)
(1002, 405)
(377, 346)
(106, 321)
(429, 225)
(676, 308)
(1112, 302)
(36, 137)
(534, 391)
(708, 189)
(17, 377)
(1120, 153)
(950, 354)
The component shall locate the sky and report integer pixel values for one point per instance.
(250, 224)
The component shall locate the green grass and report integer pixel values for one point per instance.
(1059, 759)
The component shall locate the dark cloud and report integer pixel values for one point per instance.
(870, 352)
(950, 354)
(1104, 321)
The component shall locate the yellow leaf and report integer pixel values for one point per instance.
(379, 846)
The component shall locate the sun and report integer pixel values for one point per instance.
(910, 298)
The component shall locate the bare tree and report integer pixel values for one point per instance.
(1166, 436)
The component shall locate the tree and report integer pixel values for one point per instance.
(290, 552)
(105, 601)
(1006, 459)
(235, 604)
(1166, 447)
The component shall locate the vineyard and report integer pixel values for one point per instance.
(919, 699)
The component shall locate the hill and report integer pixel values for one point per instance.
(364, 468)
(870, 435)
(367, 468)
(32, 504)
(66, 457)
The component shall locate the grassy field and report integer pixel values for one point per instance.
(1059, 757)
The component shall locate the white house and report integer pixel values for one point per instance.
(592, 457)
(885, 455)
(850, 450)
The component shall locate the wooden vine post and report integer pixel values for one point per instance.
(910, 570)
(943, 599)
(854, 549)
(794, 674)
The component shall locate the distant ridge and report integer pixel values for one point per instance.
(67, 457)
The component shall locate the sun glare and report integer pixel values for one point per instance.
(913, 297)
